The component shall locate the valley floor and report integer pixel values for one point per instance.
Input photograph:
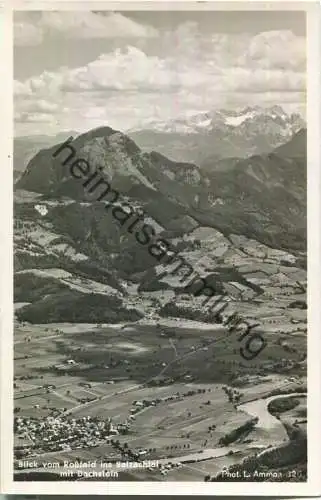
(171, 390)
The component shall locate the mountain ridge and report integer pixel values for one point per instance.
(223, 222)
(221, 133)
(262, 196)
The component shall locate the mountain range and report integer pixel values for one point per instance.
(238, 214)
(220, 134)
(200, 138)
(263, 196)
(97, 307)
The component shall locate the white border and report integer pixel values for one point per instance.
(313, 485)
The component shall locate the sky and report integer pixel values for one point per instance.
(77, 70)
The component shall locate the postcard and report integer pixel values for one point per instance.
(161, 248)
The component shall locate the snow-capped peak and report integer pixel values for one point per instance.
(234, 121)
(231, 119)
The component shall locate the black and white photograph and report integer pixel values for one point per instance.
(160, 247)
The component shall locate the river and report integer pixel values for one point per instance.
(257, 408)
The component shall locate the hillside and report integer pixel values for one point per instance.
(262, 197)
(295, 148)
(106, 324)
(266, 192)
(25, 148)
(222, 222)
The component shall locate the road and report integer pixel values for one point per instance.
(144, 384)
(256, 407)
(187, 355)
(101, 398)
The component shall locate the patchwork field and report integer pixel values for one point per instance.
(168, 387)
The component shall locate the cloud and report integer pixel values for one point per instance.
(133, 70)
(77, 25)
(130, 69)
(263, 80)
(120, 71)
(41, 86)
(277, 50)
(25, 117)
(39, 106)
(182, 73)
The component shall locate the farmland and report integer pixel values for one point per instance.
(164, 388)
